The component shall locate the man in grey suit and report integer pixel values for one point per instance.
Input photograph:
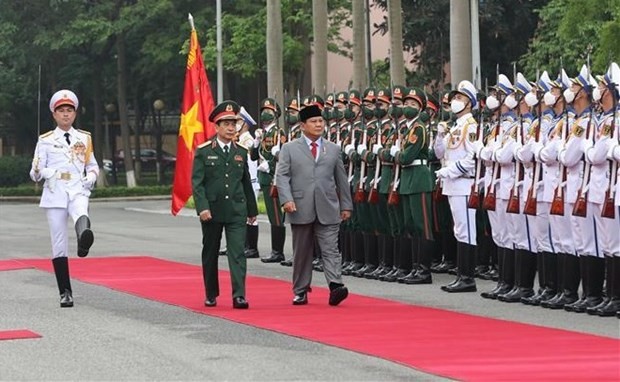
(315, 194)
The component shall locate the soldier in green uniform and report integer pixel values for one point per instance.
(224, 199)
(271, 140)
(416, 185)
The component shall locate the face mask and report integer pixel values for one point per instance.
(337, 114)
(239, 126)
(410, 112)
(349, 115)
(424, 117)
(531, 100)
(266, 117)
(569, 96)
(511, 102)
(292, 119)
(327, 114)
(457, 106)
(597, 95)
(492, 103)
(380, 113)
(396, 112)
(549, 99)
(368, 113)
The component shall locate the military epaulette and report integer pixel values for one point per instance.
(45, 135)
(471, 120)
(83, 131)
(207, 143)
(242, 147)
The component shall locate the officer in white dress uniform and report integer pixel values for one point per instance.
(64, 159)
(457, 176)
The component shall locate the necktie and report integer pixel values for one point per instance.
(226, 149)
(313, 149)
(67, 135)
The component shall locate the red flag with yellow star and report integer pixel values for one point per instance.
(195, 126)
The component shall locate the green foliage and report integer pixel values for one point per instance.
(14, 170)
(108, 192)
(568, 29)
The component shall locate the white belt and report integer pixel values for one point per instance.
(417, 162)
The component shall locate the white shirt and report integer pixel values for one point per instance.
(222, 145)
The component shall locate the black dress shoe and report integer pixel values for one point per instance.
(286, 263)
(517, 296)
(337, 295)
(251, 253)
(66, 299)
(300, 299)
(210, 302)
(421, 277)
(240, 303)
(443, 267)
(464, 284)
(85, 242)
(275, 257)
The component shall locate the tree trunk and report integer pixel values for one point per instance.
(395, 26)
(138, 128)
(359, 46)
(275, 86)
(121, 75)
(98, 133)
(460, 42)
(319, 31)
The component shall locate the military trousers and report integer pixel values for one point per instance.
(57, 222)
(274, 209)
(417, 214)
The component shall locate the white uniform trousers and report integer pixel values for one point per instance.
(57, 221)
(608, 230)
(464, 219)
(561, 232)
(499, 225)
(584, 231)
(542, 228)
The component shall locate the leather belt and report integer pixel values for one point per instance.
(63, 175)
(387, 164)
(417, 162)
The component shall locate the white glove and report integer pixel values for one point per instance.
(47, 173)
(361, 148)
(586, 145)
(614, 153)
(258, 133)
(394, 150)
(263, 167)
(441, 128)
(376, 147)
(348, 149)
(256, 142)
(536, 149)
(275, 150)
(474, 147)
(89, 180)
(442, 173)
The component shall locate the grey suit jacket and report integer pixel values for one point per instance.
(319, 189)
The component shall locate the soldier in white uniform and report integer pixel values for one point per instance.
(600, 189)
(64, 159)
(247, 140)
(457, 176)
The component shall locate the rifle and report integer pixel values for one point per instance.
(273, 190)
(490, 198)
(580, 208)
(360, 194)
(513, 201)
(609, 208)
(531, 201)
(557, 205)
(393, 196)
(373, 195)
(474, 195)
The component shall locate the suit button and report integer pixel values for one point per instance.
(226, 185)
(226, 197)
(226, 175)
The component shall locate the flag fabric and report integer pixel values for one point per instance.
(195, 127)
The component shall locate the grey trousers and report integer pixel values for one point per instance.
(304, 236)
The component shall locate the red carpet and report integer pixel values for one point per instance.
(436, 341)
(11, 265)
(17, 335)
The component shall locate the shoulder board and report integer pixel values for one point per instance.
(240, 146)
(83, 131)
(207, 143)
(471, 120)
(45, 135)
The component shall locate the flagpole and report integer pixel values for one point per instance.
(220, 70)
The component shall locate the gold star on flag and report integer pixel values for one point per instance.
(189, 126)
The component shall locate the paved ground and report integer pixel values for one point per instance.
(114, 336)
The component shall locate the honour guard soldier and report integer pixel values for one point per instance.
(271, 140)
(246, 140)
(416, 186)
(457, 176)
(224, 198)
(292, 119)
(64, 159)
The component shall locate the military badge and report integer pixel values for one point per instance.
(79, 150)
(238, 158)
(606, 131)
(578, 131)
(472, 137)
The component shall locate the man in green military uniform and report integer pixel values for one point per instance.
(224, 199)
